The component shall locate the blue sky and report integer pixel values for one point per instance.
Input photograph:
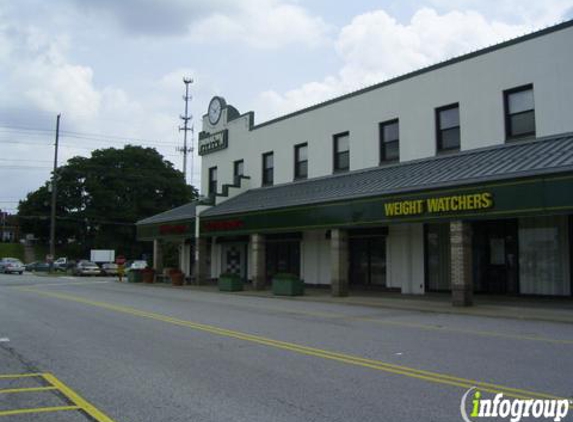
(115, 67)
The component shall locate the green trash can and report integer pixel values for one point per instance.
(135, 276)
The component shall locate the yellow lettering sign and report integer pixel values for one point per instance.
(443, 204)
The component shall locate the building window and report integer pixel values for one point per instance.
(389, 141)
(341, 152)
(212, 181)
(301, 161)
(448, 127)
(519, 112)
(268, 168)
(238, 170)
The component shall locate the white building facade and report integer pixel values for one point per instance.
(456, 177)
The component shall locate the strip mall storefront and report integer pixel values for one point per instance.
(515, 238)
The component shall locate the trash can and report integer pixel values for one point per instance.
(135, 276)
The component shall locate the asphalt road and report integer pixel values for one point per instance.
(146, 353)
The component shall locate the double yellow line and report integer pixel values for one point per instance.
(429, 376)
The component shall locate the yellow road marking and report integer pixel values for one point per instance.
(15, 376)
(26, 390)
(332, 315)
(429, 327)
(464, 331)
(37, 410)
(414, 325)
(76, 399)
(77, 402)
(311, 351)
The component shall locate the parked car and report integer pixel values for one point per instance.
(37, 266)
(109, 268)
(85, 267)
(135, 265)
(11, 265)
(64, 266)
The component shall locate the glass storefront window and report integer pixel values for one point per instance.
(543, 261)
(438, 257)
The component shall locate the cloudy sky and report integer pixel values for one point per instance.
(114, 68)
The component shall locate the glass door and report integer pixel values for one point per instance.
(367, 261)
(495, 257)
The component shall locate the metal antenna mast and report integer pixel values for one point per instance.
(187, 118)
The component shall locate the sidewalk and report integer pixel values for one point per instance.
(526, 308)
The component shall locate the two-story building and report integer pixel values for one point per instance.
(456, 177)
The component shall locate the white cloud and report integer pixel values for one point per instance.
(36, 72)
(529, 12)
(375, 47)
(262, 24)
(258, 23)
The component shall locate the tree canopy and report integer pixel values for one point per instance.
(101, 197)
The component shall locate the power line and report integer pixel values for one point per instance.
(81, 135)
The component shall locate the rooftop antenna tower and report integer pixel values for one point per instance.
(187, 119)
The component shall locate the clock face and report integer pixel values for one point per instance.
(215, 109)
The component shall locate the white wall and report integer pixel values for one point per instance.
(476, 84)
(405, 258)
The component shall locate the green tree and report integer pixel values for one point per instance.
(101, 197)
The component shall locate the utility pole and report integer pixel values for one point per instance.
(54, 191)
(187, 118)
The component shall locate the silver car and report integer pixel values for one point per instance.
(86, 268)
(11, 265)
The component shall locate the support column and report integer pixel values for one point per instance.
(461, 263)
(339, 262)
(201, 269)
(259, 261)
(158, 255)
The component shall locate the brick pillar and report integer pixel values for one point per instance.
(259, 261)
(158, 255)
(200, 268)
(339, 262)
(461, 263)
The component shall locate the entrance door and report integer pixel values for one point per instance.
(368, 261)
(495, 257)
(282, 257)
(234, 258)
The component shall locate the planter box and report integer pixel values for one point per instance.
(230, 283)
(148, 276)
(177, 278)
(288, 286)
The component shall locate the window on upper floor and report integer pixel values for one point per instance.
(389, 141)
(341, 148)
(301, 161)
(268, 169)
(212, 181)
(448, 128)
(238, 170)
(519, 112)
